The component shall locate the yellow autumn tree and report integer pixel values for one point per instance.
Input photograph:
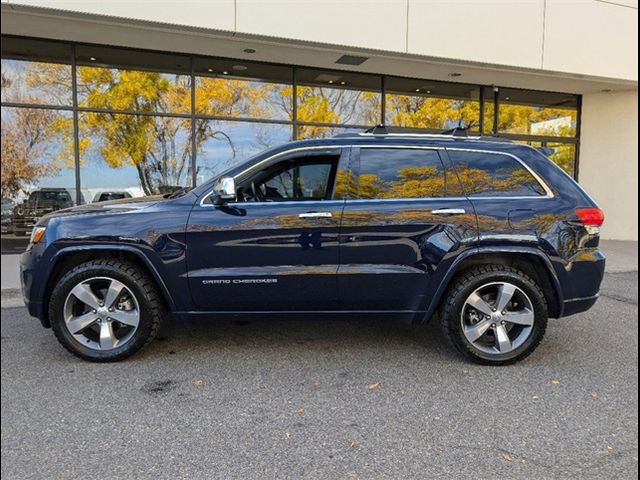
(31, 139)
(432, 112)
(332, 106)
(158, 147)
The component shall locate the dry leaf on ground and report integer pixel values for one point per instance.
(506, 456)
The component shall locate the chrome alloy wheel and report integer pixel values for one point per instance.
(497, 318)
(101, 313)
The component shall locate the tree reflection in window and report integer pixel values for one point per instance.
(487, 174)
(400, 173)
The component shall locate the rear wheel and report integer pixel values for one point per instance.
(494, 314)
(105, 310)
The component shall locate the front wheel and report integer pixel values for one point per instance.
(494, 315)
(105, 310)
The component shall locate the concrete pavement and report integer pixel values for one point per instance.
(326, 400)
(351, 399)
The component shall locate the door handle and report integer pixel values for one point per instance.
(449, 211)
(315, 215)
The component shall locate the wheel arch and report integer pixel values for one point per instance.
(67, 258)
(530, 260)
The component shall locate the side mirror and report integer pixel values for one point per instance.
(224, 191)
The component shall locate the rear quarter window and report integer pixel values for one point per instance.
(486, 174)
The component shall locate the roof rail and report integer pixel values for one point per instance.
(457, 132)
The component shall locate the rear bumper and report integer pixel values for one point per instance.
(581, 284)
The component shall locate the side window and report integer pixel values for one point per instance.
(493, 174)
(295, 179)
(400, 173)
(300, 182)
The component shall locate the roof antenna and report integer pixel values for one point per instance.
(459, 131)
(379, 129)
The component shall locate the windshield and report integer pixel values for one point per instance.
(228, 172)
(51, 197)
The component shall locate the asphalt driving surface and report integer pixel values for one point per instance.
(351, 399)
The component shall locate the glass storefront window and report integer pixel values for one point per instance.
(227, 88)
(229, 143)
(129, 80)
(306, 132)
(37, 83)
(563, 154)
(431, 105)
(126, 156)
(133, 90)
(537, 113)
(36, 72)
(136, 117)
(330, 97)
(37, 170)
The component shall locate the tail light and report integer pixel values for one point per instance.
(591, 218)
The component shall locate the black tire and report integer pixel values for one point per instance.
(464, 285)
(151, 307)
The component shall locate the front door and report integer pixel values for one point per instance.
(408, 218)
(276, 247)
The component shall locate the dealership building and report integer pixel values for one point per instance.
(116, 99)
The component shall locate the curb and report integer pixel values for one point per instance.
(11, 298)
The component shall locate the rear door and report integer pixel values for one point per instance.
(406, 219)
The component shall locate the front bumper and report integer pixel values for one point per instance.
(578, 305)
(29, 275)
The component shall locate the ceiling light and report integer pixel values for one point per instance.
(428, 91)
(455, 74)
(507, 98)
(209, 69)
(330, 81)
(417, 89)
(249, 50)
(93, 59)
(343, 83)
(326, 77)
(225, 73)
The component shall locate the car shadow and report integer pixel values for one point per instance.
(311, 335)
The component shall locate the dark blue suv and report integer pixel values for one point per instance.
(489, 236)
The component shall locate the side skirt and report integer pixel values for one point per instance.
(405, 316)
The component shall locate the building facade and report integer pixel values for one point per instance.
(105, 100)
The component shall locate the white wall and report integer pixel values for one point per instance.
(587, 37)
(490, 31)
(591, 37)
(609, 159)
